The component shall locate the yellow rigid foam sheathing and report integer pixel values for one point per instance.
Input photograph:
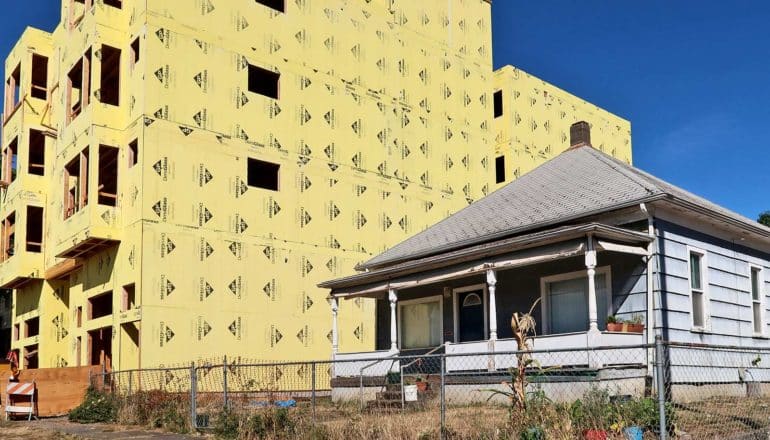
(382, 126)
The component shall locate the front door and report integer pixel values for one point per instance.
(470, 316)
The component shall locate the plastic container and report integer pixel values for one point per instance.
(410, 393)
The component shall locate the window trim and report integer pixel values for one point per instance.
(545, 293)
(704, 289)
(456, 309)
(760, 285)
(428, 299)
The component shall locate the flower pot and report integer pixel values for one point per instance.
(615, 327)
(595, 434)
(421, 386)
(633, 433)
(635, 328)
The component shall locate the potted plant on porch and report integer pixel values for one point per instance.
(633, 325)
(422, 385)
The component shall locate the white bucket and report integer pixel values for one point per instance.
(410, 393)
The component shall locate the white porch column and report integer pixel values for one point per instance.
(491, 284)
(593, 321)
(335, 334)
(393, 298)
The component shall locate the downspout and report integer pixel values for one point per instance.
(651, 252)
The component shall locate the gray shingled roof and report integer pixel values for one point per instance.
(579, 182)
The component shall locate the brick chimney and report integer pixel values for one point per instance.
(580, 135)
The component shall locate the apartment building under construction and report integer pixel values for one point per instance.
(176, 180)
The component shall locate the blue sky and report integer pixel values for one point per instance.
(692, 76)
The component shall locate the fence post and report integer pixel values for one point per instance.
(443, 397)
(660, 371)
(224, 380)
(193, 396)
(312, 388)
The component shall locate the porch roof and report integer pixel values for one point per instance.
(518, 251)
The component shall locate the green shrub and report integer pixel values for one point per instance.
(227, 424)
(97, 407)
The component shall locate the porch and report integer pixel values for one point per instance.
(580, 276)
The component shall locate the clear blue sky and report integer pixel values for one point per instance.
(692, 76)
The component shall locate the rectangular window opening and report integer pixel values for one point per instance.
(36, 164)
(500, 169)
(498, 103)
(697, 290)
(264, 82)
(108, 176)
(31, 357)
(133, 153)
(76, 184)
(100, 347)
(34, 229)
(100, 305)
(135, 55)
(31, 327)
(129, 297)
(10, 161)
(110, 77)
(16, 332)
(13, 91)
(9, 236)
(263, 174)
(79, 316)
(39, 77)
(114, 3)
(78, 87)
(278, 5)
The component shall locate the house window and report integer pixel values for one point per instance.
(698, 284)
(264, 82)
(135, 46)
(133, 153)
(13, 91)
(76, 184)
(34, 229)
(36, 164)
(9, 236)
(10, 161)
(39, 77)
(278, 5)
(100, 306)
(78, 87)
(420, 323)
(110, 77)
(498, 98)
(108, 176)
(263, 174)
(757, 303)
(565, 301)
(500, 169)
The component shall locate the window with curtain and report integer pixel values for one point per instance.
(421, 324)
(568, 304)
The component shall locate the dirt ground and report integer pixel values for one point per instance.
(62, 429)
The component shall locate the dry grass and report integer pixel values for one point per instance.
(723, 417)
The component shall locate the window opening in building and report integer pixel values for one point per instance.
(114, 3)
(78, 87)
(133, 153)
(39, 77)
(500, 169)
(79, 316)
(263, 174)
(76, 184)
(278, 5)
(100, 347)
(135, 55)
(100, 305)
(129, 297)
(9, 236)
(498, 103)
(697, 290)
(31, 357)
(108, 175)
(31, 327)
(264, 82)
(34, 229)
(36, 164)
(10, 161)
(13, 91)
(757, 296)
(110, 77)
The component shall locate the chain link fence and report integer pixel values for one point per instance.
(662, 391)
